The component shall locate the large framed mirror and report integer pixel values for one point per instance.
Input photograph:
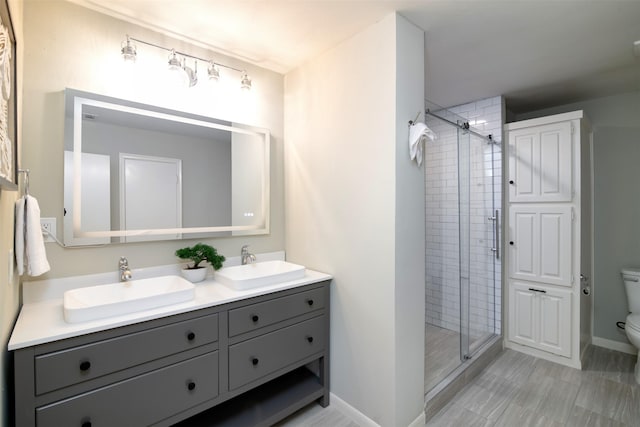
(135, 172)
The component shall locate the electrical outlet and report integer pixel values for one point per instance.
(48, 224)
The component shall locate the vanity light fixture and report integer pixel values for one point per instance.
(174, 62)
(177, 63)
(176, 71)
(245, 82)
(128, 50)
(213, 71)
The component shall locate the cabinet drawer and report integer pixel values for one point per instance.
(141, 400)
(77, 364)
(256, 316)
(257, 357)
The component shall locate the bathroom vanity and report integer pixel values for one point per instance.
(228, 358)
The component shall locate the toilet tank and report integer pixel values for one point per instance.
(631, 279)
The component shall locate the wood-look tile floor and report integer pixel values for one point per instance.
(517, 390)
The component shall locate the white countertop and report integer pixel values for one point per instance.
(43, 321)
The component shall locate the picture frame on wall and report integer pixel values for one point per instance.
(8, 95)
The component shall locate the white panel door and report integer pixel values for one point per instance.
(555, 162)
(540, 317)
(555, 245)
(523, 243)
(540, 243)
(555, 321)
(522, 315)
(540, 164)
(150, 195)
(523, 160)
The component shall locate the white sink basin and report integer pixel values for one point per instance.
(242, 277)
(97, 302)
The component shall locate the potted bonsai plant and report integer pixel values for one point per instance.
(198, 254)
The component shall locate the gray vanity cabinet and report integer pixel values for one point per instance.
(250, 362)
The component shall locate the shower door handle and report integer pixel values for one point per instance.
(496, 224)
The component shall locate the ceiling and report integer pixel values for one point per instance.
(538, 53)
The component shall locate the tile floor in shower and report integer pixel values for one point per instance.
(442, 353)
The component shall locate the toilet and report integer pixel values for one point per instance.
(631, 279)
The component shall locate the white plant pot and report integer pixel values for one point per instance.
(194, 275)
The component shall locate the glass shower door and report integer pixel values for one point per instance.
(479, 225)
(462, 182)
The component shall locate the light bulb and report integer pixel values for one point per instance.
(245, 82)
(128, 51)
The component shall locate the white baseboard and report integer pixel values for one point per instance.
(361, 419)
(614, 345)
(351, 412)
(419, 422)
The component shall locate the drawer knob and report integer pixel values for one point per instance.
(191, 385)
(84, 366)
(86, 424)
(310, 339)
(191, 336)
(255, 318)
(310, 302)
(511, 182)
(254, 361)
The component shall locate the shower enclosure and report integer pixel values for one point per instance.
(463, 205)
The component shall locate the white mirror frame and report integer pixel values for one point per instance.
(135, 108)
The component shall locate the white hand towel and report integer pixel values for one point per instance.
(19, 235)
(31, 256)
(418, 134)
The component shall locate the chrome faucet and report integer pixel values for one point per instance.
(125, 273)
(245, 256)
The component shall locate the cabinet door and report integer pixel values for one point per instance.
(540, 164)
(524, 242)
(540, 317)
(555, 322)
(540, 243)
(522, 315)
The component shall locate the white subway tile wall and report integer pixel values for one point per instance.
(443, 228)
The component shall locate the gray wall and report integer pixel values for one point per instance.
(616, 158)
(206, 168)
(355, 208)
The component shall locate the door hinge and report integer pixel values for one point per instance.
(573, 215)
(573, 129)
(572, 279)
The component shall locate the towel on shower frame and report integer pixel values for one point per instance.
(418, 134)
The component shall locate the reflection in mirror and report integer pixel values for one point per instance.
(135, 172)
